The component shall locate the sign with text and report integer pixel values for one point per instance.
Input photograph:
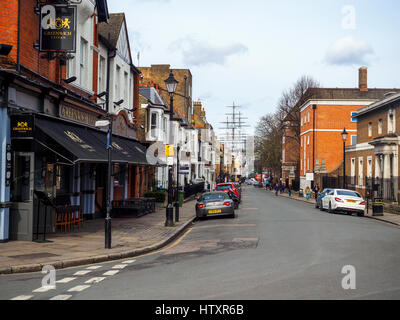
(22, 126)
(75, 114)
(57, 28)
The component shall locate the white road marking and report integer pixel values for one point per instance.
(65, 280)
(93, 267)
(129, 261)
(110, 273)
(61, 297)
(78, 288)
(44, 289)
(119, 266)
(22, 298)
(95, 280)
(82, 272)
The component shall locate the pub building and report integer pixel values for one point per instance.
(59, 153)
(51, 152)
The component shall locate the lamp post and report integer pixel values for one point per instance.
(344, 138)
(178, 149)
(171, 84)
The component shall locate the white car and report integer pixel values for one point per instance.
(348, 201)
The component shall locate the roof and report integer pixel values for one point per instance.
(381, 103)
(152, 95)
(344, 94)
(110, 32)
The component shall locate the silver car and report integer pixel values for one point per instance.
(215, 203)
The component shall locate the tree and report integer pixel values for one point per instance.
(268, 142)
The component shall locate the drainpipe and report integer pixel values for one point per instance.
(19, 38)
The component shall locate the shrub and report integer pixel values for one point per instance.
(158, 195)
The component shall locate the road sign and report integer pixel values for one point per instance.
(169, 150)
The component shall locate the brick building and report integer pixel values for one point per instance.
(324, 115)
(157, 73)
(374, 159)
(49, 106)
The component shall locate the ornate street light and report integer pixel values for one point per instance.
(344, 138)
(171, 84)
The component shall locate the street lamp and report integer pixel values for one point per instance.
(344, 138)
(171, 84)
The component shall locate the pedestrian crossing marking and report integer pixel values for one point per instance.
(82, 272)
(110, 273)
(95, 280)
(22, 298)
(65, 280)
(79, 288)
(61, 297)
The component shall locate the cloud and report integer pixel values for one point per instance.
(349, 51)
(197, 53)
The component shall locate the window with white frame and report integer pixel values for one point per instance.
(117, 92)
(353, 116)
(369, 167)
(102, 74)
(391, 121)
(153, 125)
(360, 171)
(380, 126)
(83, 63)
(370, 129)
(353, 140)
(352, 170)
(126, 84)
(308, 140)
(308, 116)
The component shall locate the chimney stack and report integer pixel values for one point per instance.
(363, 79)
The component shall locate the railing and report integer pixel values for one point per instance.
(192, 189)
(386, 189)
(134, 206)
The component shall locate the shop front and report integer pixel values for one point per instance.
(56, 162)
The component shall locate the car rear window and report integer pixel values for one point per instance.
(226, 187)
(214, 196)
(348, 193)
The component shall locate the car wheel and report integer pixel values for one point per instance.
(330, 208)
(321, 207)
(361, 214)
(316, 205)
(233, 215)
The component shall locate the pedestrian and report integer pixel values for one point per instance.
(289, 190)
(307, 192)
(276, 189)
(316, 191)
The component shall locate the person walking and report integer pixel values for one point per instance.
(307, 192)
(276, 189)
(289, 190)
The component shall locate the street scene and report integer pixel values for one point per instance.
(144, 156)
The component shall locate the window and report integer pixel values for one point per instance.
(126, 83)
(117, 92)
(83, 61)
(102, 74)
(353, 170)
(353, 140)
(380, 126)
(353, 118)
(369, 167)
(370, 129)
(308, 140)
(153, 124)
(391, 125)
(360, 171)
(301, 121)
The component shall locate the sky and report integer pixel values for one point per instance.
(249, 52)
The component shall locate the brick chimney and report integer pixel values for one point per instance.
(363, 79)
(197, 108)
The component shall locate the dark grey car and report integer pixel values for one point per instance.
(215, 203)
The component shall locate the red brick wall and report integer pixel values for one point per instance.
(9, 28)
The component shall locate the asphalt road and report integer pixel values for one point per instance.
(276, 248)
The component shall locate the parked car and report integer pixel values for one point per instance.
(320, 196)
(347, 201)
(215, 203)
(258, 184)
(228, 186)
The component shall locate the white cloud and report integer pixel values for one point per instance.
(196, 52)
(349, 51)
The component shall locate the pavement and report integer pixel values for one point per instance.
(130, 237)
(387, 217)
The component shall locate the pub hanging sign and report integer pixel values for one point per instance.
(57, 28)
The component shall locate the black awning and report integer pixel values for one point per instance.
(89, 145)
